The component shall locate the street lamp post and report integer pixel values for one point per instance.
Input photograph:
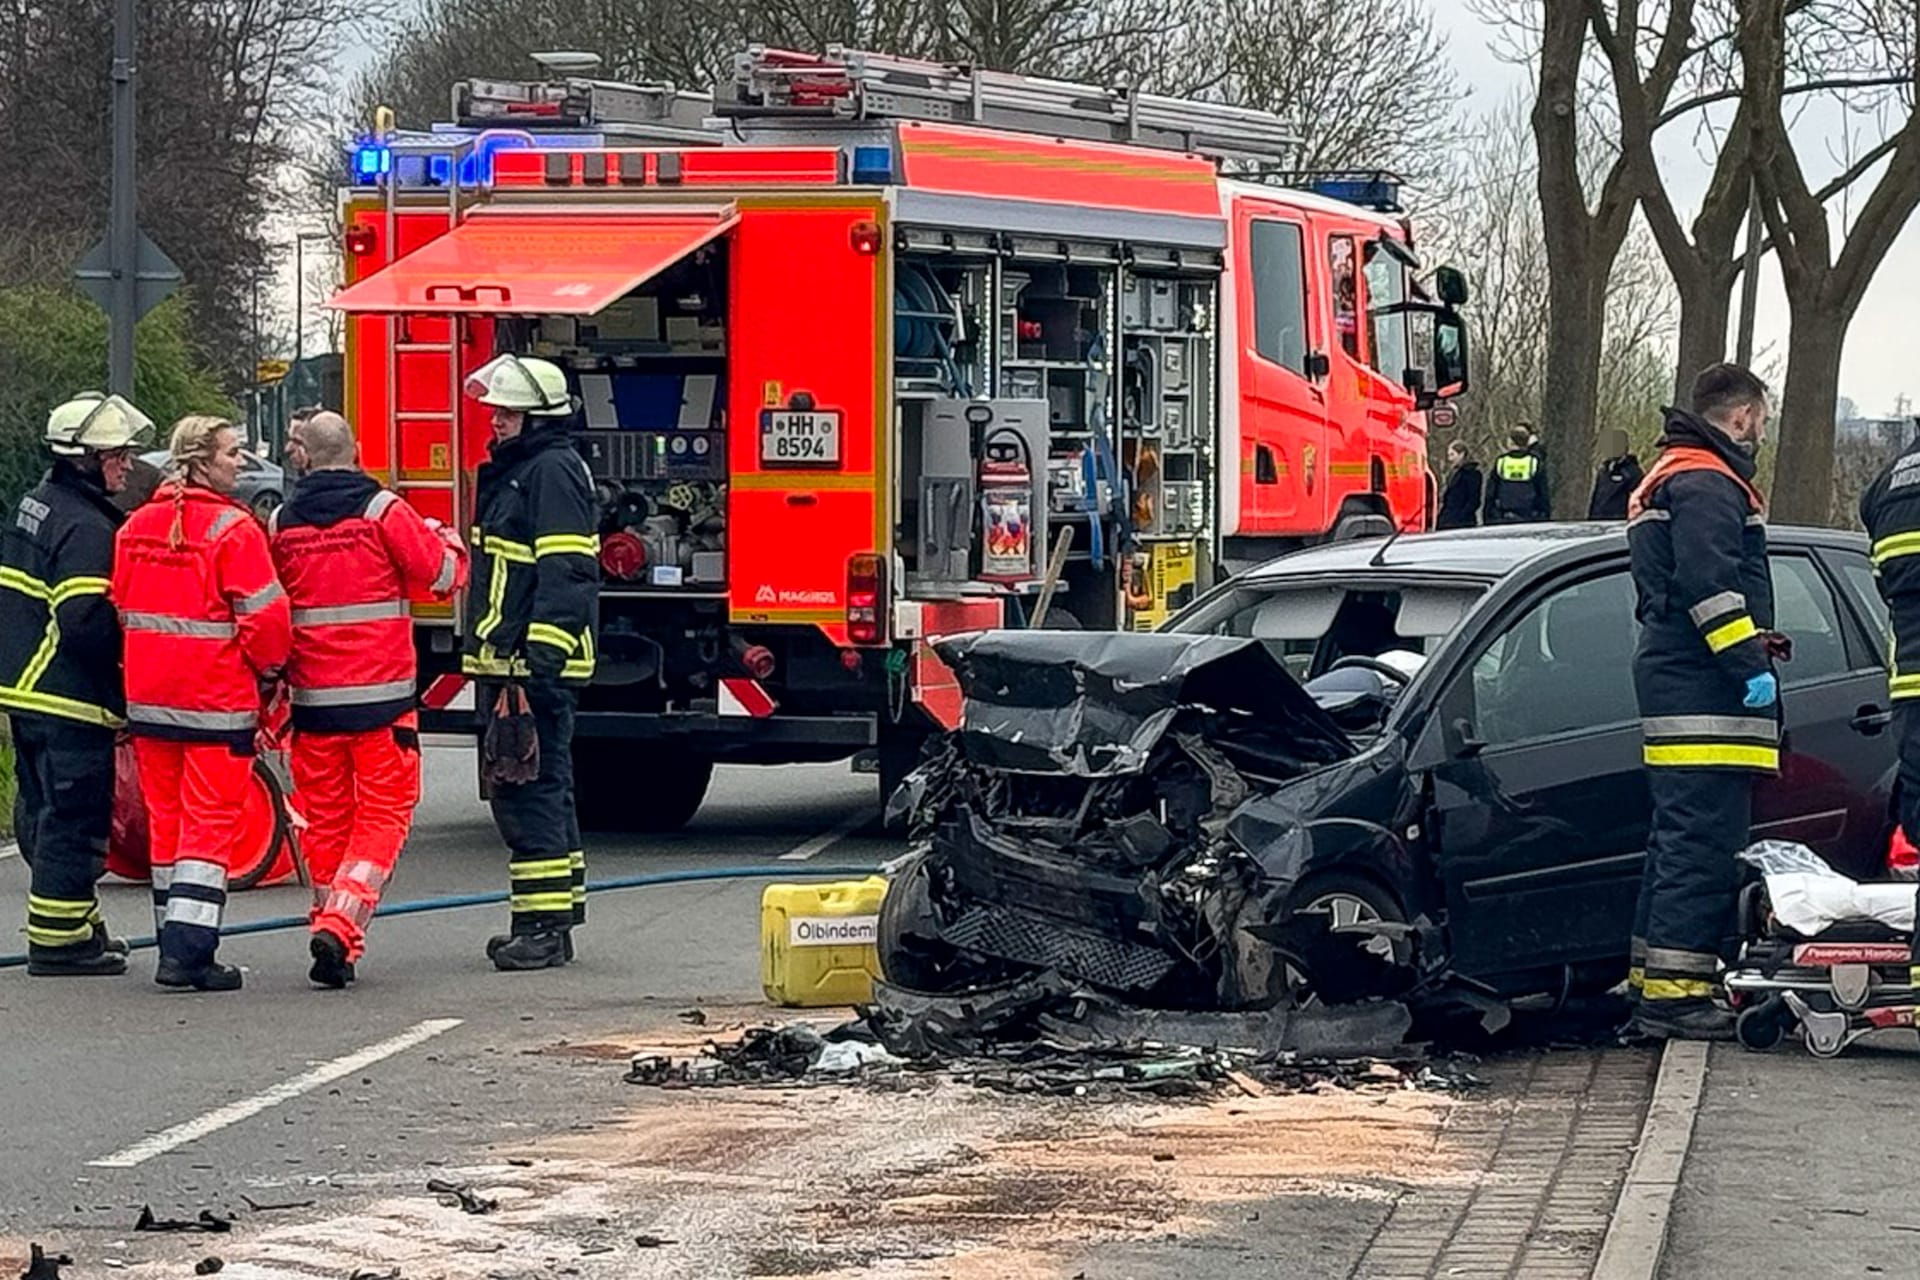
(300, 292)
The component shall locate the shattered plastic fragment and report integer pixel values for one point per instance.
(463, 1195)
(44, 1266)
(207, 1221)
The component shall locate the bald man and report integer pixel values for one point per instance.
(352, 555)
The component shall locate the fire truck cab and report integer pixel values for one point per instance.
(869, 351)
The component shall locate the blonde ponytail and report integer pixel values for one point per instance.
(192, 444)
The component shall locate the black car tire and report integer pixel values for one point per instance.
(1372, 902)
(651, 791)
(912, 954)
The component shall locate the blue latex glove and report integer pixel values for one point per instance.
(1763, 690)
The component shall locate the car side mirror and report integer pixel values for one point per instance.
(1465, 745)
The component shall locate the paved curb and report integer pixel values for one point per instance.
(1637, 1237)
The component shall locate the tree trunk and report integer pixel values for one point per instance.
(1803, 473)
(1576, 330)
(1706, 306)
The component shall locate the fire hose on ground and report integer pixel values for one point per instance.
(455, 902)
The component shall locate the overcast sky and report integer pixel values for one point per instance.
(1883, 346)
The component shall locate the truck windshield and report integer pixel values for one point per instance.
(1386, 318)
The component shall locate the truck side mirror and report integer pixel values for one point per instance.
(1449, 364)
(1451, 284)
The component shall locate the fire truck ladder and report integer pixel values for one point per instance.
(416, 156)
(654, 111)
(850, 84)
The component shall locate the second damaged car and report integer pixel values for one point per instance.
(1363, 770)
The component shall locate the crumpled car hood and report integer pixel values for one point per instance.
(1094, 704)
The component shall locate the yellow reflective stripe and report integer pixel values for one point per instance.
(1675, 989)
(1729, 634)
(506, 549)
(68, 588)
(1892, 548)
(1711, 753)
(567, 544)
(54, 705)
(1637, 978)
(546, 869)
(43, 656)
(43, 937)
(25, 583)
(496, 596)
(547, 633)
(60, 908)
(1904, 686)
(561, 901)
(487, 663)
(581, 668)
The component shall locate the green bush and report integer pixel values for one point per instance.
(53, 343)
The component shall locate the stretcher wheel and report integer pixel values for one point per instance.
(262, 847)
(1827, 1048)
(1763, 1026)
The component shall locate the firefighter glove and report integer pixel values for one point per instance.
(1779, 647)
(510, 750)
(1763, 690)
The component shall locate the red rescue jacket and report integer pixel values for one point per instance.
(351, 555)
(204, 617)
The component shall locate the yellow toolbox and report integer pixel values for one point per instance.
(817, 942)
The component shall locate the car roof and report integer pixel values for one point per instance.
(1493, 553)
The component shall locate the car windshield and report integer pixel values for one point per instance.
(1312, 626)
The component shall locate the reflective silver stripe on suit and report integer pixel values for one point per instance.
(1744, 728)
(1674, 960)
(1652, 513)
(323, 615)
(363, 873)
(192, 911)
(449, 566)
(259, 599)
(377, 505)
(167, 625)
(223, 522)
(182, 719)
(198, 871)
(1713, 606)
(353, 694)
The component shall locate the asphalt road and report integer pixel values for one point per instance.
(114, 1093)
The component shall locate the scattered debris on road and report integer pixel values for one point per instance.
(208, 1221)
(210, 1265)
(463, 1195)
(652, 1242)
(44, 1266)
(1041, 1035)
(262, 1206)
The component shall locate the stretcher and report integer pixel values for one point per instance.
(1833, 983)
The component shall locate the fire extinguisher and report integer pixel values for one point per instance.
(1006, 507)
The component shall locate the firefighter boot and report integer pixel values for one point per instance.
(213, 977)
(528, 951)
(110, 944)
(1694, 1018)
(500, 940)
(331, 968)
(85, 962)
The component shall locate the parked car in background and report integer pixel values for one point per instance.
(263, 483)
(1489, 792)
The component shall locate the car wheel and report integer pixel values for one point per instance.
(912, 954)
(1365, 966)
(266, 503)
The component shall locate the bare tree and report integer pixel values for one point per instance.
(1824, 287)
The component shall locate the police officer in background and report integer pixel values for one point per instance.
(1890, 510)
(60, 678)
(531, 616)
(1709, 699)
(1517, 488)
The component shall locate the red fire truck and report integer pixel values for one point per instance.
(871, 350)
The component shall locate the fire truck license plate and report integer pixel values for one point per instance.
(791, 437)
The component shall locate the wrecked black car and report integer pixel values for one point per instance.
(1368, 769)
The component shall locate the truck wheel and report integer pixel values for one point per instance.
(654, 790)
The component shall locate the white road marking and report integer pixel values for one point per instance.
(833, 835)
(246, 1108)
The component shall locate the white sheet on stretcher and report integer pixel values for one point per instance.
(1809, 896)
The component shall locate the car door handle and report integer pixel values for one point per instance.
(1870, 721)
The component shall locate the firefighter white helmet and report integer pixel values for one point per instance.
(92, 423)
(526, 383)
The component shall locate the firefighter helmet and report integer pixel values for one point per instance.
(92, 422)
(525, 383)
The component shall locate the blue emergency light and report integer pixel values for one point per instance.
(873, 165)
(373, 160)
(1378, 191)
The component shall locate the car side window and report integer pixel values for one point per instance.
(1858, 571)
(1565, 664)
(1805, 609)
